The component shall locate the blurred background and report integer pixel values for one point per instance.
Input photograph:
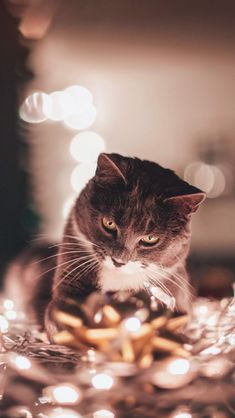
(152, 79)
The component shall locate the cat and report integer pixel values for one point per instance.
(128, 229)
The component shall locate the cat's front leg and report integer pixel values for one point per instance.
(50, 324)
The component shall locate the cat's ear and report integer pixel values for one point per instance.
(110, 168)
(187, 203)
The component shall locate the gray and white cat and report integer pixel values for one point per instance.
(128, 229)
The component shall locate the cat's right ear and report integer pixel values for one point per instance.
(110, 168)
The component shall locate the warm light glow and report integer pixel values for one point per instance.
(35, 107)
(3, 324)
(63, 413)
(132, 324)
(80, 98)
(81, 175)
(67, 206)
(103, 413)
(219, 183)
(60, 106)
(102, 381)
(201, 310)
(66, 394)
(182, 415)
(204, 178)
(86, 146)
(207, 177)
(11, 315)
(23, 363)
(178, 366)
(83, 119)
(211, 351)
(8, 304)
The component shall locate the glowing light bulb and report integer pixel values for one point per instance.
(178, 366)
(81, 175)
(66, 394)
(102, 381)
(83, 119)
(3, 324)
(22, 363)
(103, 413)
(8, 304)
(132, 324)
(35, 107)
(86, 146)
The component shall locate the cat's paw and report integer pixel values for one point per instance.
(51, 326)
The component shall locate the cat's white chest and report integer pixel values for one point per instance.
(130, 276)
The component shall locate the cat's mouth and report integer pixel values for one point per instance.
(130, 267)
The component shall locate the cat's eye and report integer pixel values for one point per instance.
(149, 240)
(109, 224)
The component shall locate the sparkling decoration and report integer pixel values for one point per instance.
(118, 336)
(35, 107)
(115, 356)
(86, 146)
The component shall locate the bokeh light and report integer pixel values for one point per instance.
(8, 304)
(178, 366)
(207, 177)
(3, 324)
(86, 146)
(67, 206)
(63, 413)
(103, 413)
(82, 119)
(36, 107)
(132, 324)
(66, 394)
(80, 98)
(22, 363)
(102, 381)
(81, 175)
(60, 106)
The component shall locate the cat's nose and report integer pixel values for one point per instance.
(117, 262)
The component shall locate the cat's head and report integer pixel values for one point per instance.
(137, 215)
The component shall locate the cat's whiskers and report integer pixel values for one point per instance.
(77, 238)
(160, 270)
(181, 285)
(53, 268)
(55, 255)
(73, 270)
(87, 269)
(154, 276)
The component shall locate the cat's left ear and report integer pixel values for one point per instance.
(111, 168)
(188, 203)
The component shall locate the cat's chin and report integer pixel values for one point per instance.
(127, 277)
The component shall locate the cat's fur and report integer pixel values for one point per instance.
(142, 198)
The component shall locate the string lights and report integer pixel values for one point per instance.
(57, 382)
